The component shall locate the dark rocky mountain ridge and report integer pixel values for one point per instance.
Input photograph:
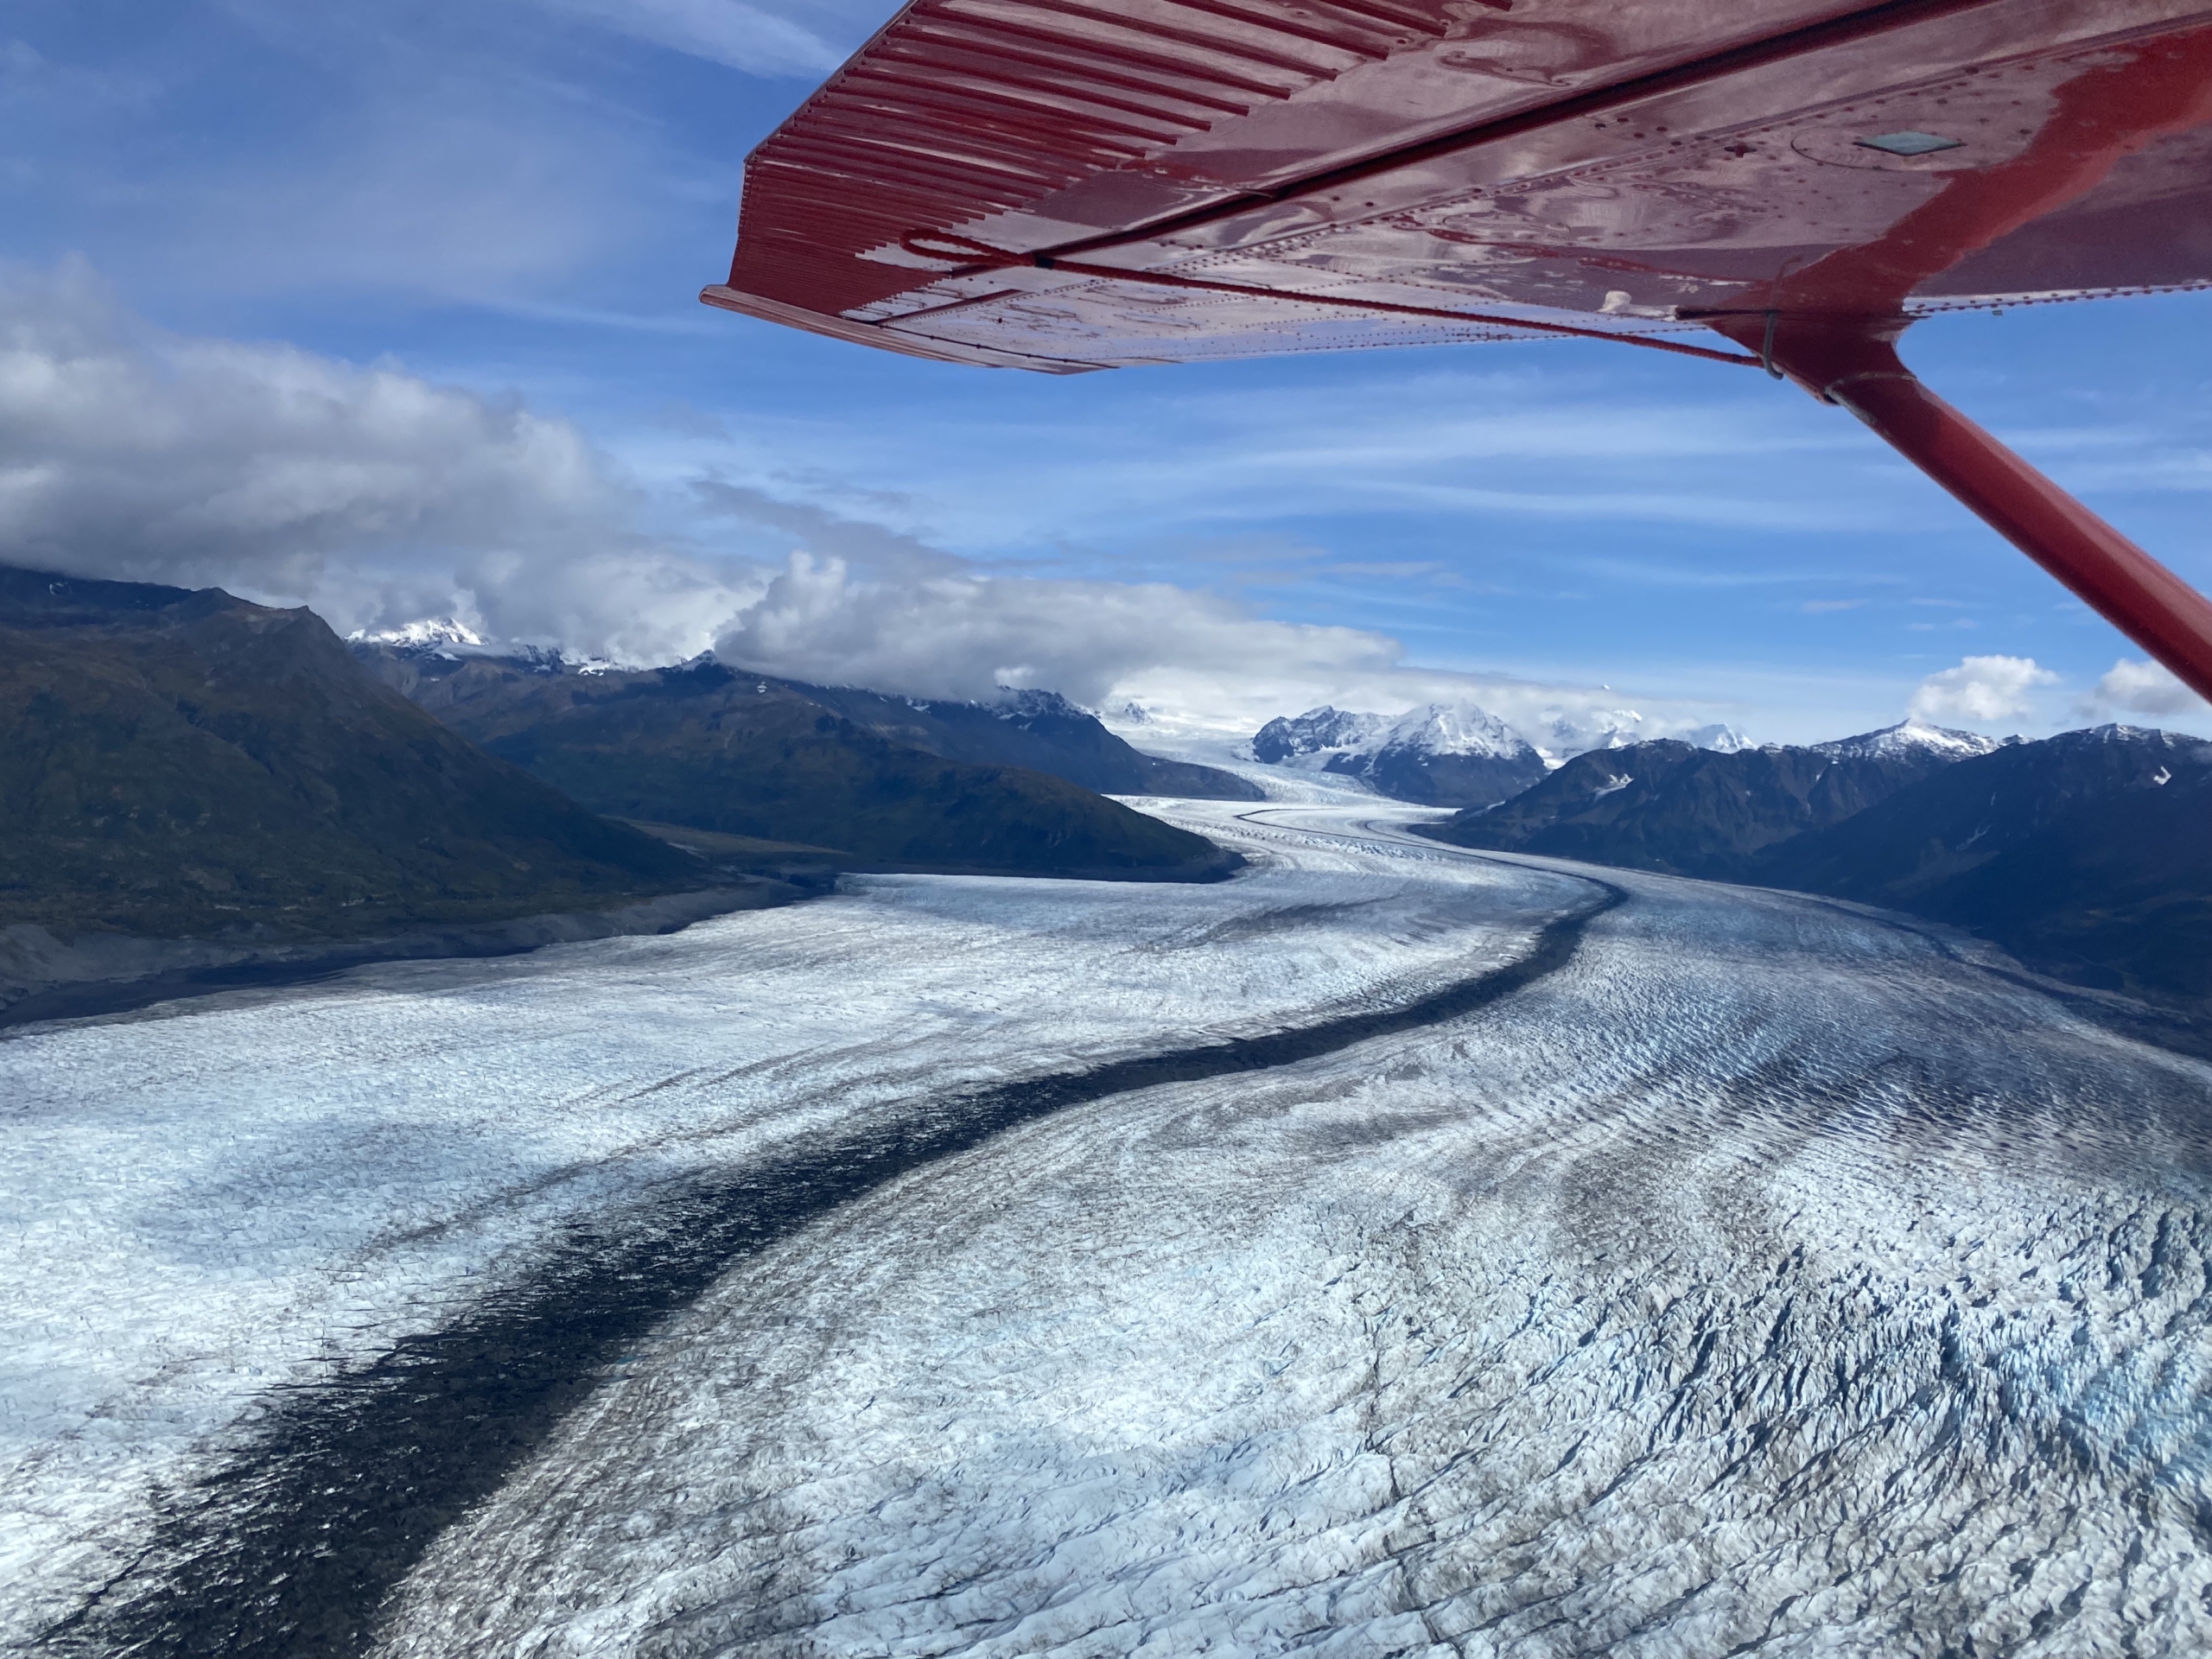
(1038, 731)
(1318, 731)
(2087, 855)
(702, 747)
(183, 762)
(1666, 806)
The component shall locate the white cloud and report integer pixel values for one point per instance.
(2142, 689)
(874, 547)
(380, 497)
(370, 492)
(755, 38)
(1981, 689)
(1196, 664)
(962, 634)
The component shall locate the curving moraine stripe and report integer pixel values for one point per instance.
(294, 1545)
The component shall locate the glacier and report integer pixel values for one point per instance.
(1765, 1275)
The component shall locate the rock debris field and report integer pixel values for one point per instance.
(1390, 1251)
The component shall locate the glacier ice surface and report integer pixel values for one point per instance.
(1773, 1277)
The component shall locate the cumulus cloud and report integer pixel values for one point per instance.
(965, 634)
(817, 530)
(381, 498)
(373, 493)
(1182, 664)
(2142, 689)
(1981, 689)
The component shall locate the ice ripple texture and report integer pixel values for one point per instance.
(205, 1214)
(1770, 1278)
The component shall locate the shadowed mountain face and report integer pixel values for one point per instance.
(702, 747)
(1038, 731)
(1668, 806)
(1041, 731)
(179, 763)
(2087, 855)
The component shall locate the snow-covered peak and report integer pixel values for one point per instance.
(429, 633)
(1318, 731)
(1029, 703)
(1565, 735)
(1721, 738)
(1453, 729)
(1438, 754)
(450, 640)
(1909, 737)
(1436, 728)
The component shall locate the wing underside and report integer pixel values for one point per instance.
(1075, 184)
(1071, 185)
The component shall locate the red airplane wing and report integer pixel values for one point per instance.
(1069, 185)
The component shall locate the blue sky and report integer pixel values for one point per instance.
(425, 276)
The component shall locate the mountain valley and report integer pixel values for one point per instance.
(198, 792)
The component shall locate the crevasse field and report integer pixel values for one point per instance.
(1738, 1273)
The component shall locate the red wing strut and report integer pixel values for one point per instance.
(1070, 185)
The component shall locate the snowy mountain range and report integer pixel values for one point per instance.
(1908, 737)
(493, 694)
(1668, 805)
(1446, 754)
(428, 634)
(1441, 754)
(2083, 854)
(443, 638)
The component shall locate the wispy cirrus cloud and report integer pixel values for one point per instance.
(762, 39)
(514, 154)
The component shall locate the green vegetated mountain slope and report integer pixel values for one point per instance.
(2088, 855)
(703, 747)
(177, 763)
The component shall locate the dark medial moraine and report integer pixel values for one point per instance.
(294, 1544)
